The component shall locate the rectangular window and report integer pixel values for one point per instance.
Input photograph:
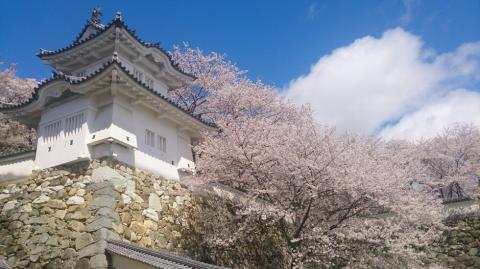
(81, 74)
(73, 124)
(161, 143)
(51, 132)
(149, 138)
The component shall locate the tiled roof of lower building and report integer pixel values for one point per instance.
(155, 258)
(11, 150)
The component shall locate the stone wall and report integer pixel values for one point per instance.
(460, 246)
(61, 218)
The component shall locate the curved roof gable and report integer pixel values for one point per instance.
(101, 30)
(93, 28)
(93, 25)
(38, 95)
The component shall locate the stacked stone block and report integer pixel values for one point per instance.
(59, 218)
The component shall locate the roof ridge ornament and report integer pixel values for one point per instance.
(96, 17)
(118, 16)
(42, 51)
(56, 73)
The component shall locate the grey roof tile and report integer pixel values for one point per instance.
(155, 258)
(118, 23)
(78, 80)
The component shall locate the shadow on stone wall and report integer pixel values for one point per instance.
(61, 218)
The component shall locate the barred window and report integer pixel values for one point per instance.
(149, 138)
(51, 132)
(73, 124)
(161, 143)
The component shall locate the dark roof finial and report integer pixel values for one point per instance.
(96, 16)
(118, 16)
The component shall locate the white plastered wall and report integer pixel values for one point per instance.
(158, 85)
(64, 147)
(112, 127)
(152, 158)
(119, 129)
(184, 153)
(16, 167)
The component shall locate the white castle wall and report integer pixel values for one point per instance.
(150, 158)
(158, 85)
(107, 127)
(16, 167)
(56, 144)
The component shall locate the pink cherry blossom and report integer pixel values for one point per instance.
(319, 187)
(14, 89)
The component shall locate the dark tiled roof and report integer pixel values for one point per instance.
(35, 94)
(155, 258)
(78, 80)
(3, 265)
(89, 23)
(117, 22)
(14, 150)
(454, 193)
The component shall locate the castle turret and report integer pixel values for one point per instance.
(107, 97)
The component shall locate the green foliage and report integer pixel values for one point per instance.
(262, 248)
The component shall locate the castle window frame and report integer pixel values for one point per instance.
(74, 124)
(162, 143)
(52, 131)
(149, 138)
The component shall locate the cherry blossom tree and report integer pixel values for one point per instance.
(318, 188)
(213, 73)
(452, 161)
(321, 190)
(13, 90)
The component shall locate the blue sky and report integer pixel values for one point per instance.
(275, 40)
(398, 69)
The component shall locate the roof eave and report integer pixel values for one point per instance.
(117, 23)
(114, 63)
(154, 257)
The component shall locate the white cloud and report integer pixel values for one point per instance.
(372, 81)
(456, 107)
(359, 86)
